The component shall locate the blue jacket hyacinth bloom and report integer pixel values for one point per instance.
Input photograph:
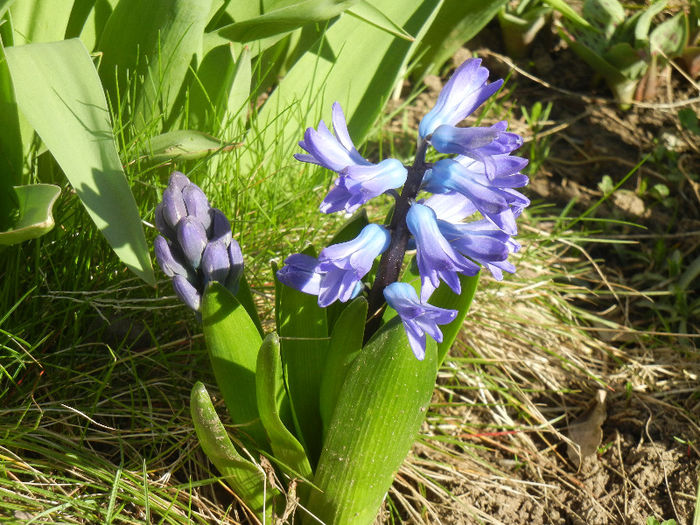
(468, 223)
(195, 246)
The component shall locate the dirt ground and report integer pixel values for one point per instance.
(517, 468)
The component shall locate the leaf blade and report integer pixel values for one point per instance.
(59, 93)
(269, 382)
(233, 342)
(244, 477)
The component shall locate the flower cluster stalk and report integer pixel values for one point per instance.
(392, 260)
(480, 178)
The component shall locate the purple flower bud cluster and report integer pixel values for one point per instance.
(195, 246)
(469, 222)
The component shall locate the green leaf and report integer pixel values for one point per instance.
(183, 144)
(246, 479)
(519, 32)
(670, 37)
(623, 88)
(11, 153)
(689, 120)
(566, 10)
(220, 90)
(35, 213)
(346, 343)
(153, 43)
(606, 15)
(355, 64)
(284, 19)
(239, 93)
(373, 16)
(4, 6)
(37, 21)
(245, 297)
(625, 59)
(641, 28)
(233, 342)
(379, 412)
(444, 297)
(457, 21)
(59, 93)
(269, 381)
(304, 340)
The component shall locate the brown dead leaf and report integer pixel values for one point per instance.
(586, 432)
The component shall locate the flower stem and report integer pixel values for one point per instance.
(392, 260)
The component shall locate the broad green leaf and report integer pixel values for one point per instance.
(269, 381)
(625, 59)
(456, 22)
(371, 15)
(245, 297)
(303, 332)
(444, 297)
(520, 32)
(87, 20)
(641, 28)
(380, 409)
(233, 342)
(368, 62)
(35, 206)
(221, 90)
(239, 94)
(670, 37)
(210, 88)
(59, 92)
(11, 153)
(284, 19)
(151, 44)
(183, 144)
(246, 479)
(4, 6)
(606, 15)
(622, 87)
(566, 10)
(346, 344)
(37, 21)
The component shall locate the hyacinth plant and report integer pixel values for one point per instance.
(336, 395)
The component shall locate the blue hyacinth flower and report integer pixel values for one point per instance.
(418, 318)
(195, 246)
(480, 144)
(479, 230)
(337, 273)
(335, 152)
(449, 175)
(301, 272)
(345, 264)
(358, 184)
(464, 92)
(437, 259)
